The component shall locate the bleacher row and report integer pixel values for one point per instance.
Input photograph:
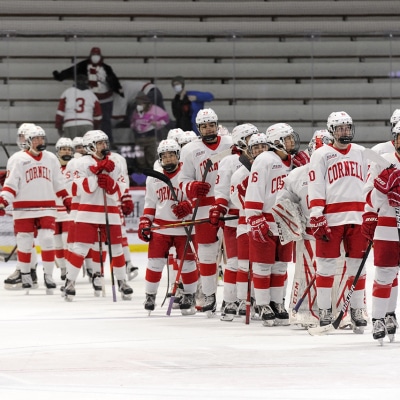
(265, 62)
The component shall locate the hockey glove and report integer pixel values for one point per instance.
(387, 179)
(103, 165)
(394, 196)
(127, 204)
(57, 76)
(370, 220)
(182, 209)
(3, 205)
(67, 203)
(320, 228)
(216, 212)
(259, 228)
(301, 158)
(143, 233)
(197, 189)
(107, 183)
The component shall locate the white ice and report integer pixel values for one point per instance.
(93, 348)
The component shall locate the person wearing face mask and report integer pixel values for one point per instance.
(186, 104)
(102, 81)
(146, 120)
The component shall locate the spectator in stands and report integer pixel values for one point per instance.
(123, 106)
(78, 110)
(102, 81)
(146, 121)
(186, 104)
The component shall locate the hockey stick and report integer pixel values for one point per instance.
(188, 223)
(322, 330)
(5, 149)
(103, 286)
(6, 259)
(304, 295)
(108, 234)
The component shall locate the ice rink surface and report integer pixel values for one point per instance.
(92, 348)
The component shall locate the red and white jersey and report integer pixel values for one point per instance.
(385, 147)
(62, 214)
(222, 189)
(378, 202)
(266, 179)
(34, 182)
(237, 200)
(336, 183)
(194, 156)
(159, 200)
(69, 173)
(91, 207)
(77, 107)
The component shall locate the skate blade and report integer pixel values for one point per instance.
(358, 330)
(49, 292)
(281, 322)
(10, 286)
(126, 297)
(391, 337)
(210, 314)
(269, 323)
(320, 330)
(97, 293)
(227, 317)
(68, 299)
(189, 311)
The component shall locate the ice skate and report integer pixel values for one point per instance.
(210, 306)
(27, 282)
(14, 281)
(68, 291)
(125, 289)
(188, 304)
(391, 325)
(49, 283)
(378, 330)
(281, 315)
(358, 321)
(178, 296)
(325, 316)
(267, 315)
(89, 273)
(150, 302)
(131, 271)
(97, 284)
(34, 278)
(200, 297)
(63, 273)
(229, 311)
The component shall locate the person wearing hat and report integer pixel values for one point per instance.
(186, 104)
(146, 120)
(102, 81)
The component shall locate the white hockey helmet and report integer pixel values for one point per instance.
(174, 133)
(395, 118)
(223, 131)
(90, 138)
(320, 137)
(168, 145)
(186, 137)
(277, 134)
(241, 132)
(207, 115)
(21, 143)
(32, 132)
(64, 143)
(77, 141)
(257, 138)
(338, 118)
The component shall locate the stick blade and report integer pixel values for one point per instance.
(320, 330)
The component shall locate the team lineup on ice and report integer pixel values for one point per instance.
(225, 214)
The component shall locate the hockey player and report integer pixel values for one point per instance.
(33, 184)
(336, 179)
(269, 267)
(239, 181)
(295, 189)
(64, 153)
(380, 225)
(161, 208)
(388, 147)
(99, 182)
(198, 184)
(222, 206)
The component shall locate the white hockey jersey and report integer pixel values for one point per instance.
(385, 147)
(336, 183)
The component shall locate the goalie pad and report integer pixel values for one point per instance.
(290, 221)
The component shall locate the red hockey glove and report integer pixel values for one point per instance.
(3, 176)
(196, 189)
(3, 205)
(370, 220)
(259, 228)
(320, 228)
(144, 234)
(107, 183)
(127, 204)
(387, 179)
(394, 196)
(301, 158)
(182, 209)
(242, 187)
(215, 213)
(103, 165)
(67, 203)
